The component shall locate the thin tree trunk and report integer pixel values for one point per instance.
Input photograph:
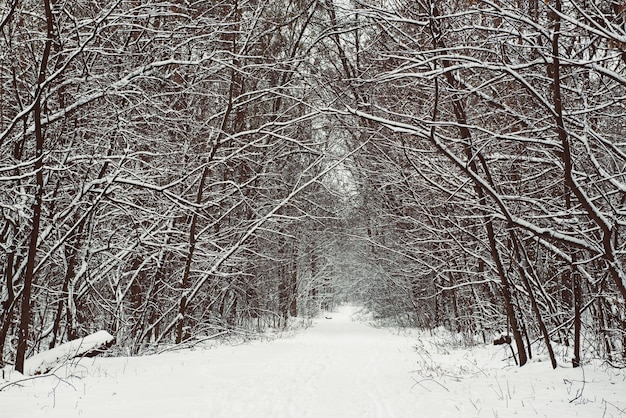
(75, 243)
(22, 344)
(7, 305)
(571, 187)
(533, 300)
(578, 299)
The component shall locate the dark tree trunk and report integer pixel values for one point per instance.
(578, 296)
(522, 263)
(22, 344)
(7, 305)
(74, 244)
(293, 297)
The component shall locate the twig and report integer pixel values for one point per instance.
(189, 344)
(621, 411)
(579, 392)
(39, 376)
(419, 382)
(478, 367)
(474, 404)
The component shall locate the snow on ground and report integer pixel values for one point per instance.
(336, 368)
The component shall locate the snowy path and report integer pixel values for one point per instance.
(337, 368)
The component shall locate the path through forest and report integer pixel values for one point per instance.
(337, 368)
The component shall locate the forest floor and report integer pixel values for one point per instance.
(338, 367)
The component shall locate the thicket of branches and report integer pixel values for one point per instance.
(172, 169)
(496, 167)
(156, 159)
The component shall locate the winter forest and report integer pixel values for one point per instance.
(172, 170)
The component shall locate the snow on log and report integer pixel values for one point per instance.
(47, 360)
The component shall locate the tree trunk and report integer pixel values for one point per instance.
(7, 305)
(71, 255)
(577, 320)
(23, 331)
(522, 263)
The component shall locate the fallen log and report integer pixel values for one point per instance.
(504, 339)
(88, 346)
